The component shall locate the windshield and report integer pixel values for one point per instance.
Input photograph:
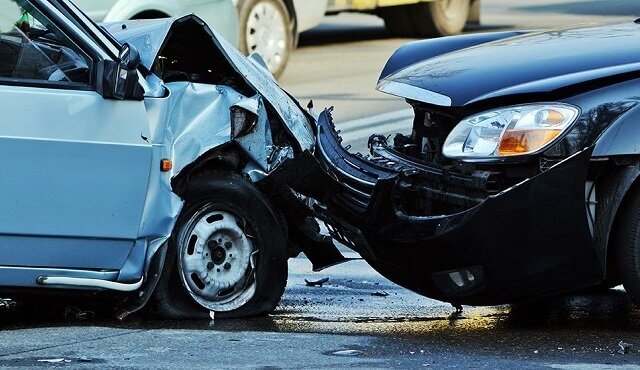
(33, 48)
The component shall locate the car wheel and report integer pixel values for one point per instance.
(474, 13)
(440, 18)
(227, 254)
(627, 247)
(265, 28)
(397, 19)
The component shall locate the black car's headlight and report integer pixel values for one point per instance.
(510, 131)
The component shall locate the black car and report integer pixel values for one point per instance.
(519, 177)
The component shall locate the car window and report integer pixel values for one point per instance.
(32, 48)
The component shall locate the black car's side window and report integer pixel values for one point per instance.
(33, 49)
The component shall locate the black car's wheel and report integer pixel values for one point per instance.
(265, 28)
(627, 248)
(227, 254)
(440, 18)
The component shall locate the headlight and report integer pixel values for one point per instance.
(511, 131)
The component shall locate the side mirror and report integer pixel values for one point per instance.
(129, 57)
(120, 78)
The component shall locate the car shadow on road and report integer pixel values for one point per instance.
(610, 311)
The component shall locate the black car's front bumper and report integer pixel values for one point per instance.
(530, 240)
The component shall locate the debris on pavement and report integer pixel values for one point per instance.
(380, 293)
(624, 348)
(317, 283)
(348, 352)
(54, 360)
(74, 313)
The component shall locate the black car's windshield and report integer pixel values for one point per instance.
(33, 48)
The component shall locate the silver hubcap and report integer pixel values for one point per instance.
(217, 260)
(266, 33)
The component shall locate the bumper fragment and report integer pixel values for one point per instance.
(527, 241)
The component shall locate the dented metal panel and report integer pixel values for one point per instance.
(190, 121)
(150, 36)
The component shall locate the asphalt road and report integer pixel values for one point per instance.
(358, 319)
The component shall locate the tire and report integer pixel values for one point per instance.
(440, 18)
(265, 28)
(474, 13)
(397, 19)
(223, 214)
(627, 248)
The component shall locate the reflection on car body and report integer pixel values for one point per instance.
(518, 178)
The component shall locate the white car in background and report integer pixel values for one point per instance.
(271, 27)
(268, 27)
(219, 14)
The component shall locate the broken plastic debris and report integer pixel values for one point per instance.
(380, 293)
(348, 352)
(7, 303)
(624, 347)
(316, 282)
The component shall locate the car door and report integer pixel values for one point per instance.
(75, 166)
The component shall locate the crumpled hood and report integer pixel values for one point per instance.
(149, 36)
(534, 63)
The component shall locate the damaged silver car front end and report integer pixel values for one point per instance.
(211, 110)
(161, 144)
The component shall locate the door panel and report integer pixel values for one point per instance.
(73, 164)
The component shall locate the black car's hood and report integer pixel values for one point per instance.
(534, 63)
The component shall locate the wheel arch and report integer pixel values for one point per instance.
(618, 182)
(227, 157)
(150, 14)
(620, 138)
(125, 9)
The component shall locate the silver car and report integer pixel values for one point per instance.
(139, 159)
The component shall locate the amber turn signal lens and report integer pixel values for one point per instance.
(525, 141)
(166, 165)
